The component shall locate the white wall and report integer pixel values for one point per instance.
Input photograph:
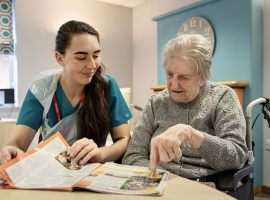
(37, 23)
(124, 37)
(266, 88)
(145, 47)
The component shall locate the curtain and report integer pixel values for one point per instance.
(6, 36)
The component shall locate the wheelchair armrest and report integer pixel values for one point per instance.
(229, 179)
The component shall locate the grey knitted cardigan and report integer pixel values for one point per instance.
(216, 112)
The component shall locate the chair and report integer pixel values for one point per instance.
(7, 126)
(6, 129)
(126, 92)
(230, 179)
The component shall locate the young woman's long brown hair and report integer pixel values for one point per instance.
(92, 119)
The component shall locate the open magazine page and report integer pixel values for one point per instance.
(49, 167)
(122, 179)
(45, 167)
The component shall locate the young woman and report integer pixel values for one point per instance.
(79, 101)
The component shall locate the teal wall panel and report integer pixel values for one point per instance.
(238, 55)
(256, 82)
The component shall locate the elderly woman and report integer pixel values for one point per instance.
(195, 127)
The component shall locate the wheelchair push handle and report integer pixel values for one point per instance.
(262, 101)
(265, 102)
(266, 114)
(265, 108)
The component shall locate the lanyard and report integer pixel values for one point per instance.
(56, 108)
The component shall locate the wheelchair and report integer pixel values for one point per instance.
(229, 181)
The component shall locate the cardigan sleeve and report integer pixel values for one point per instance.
(227, 149)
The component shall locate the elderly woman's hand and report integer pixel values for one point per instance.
(166, 146)
(85, 149)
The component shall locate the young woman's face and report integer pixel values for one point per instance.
(82, 58)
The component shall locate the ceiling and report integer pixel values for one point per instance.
(126, 3)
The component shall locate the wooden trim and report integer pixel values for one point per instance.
(158, 87)
(240, 84)
(234, 83)
(237, 86)
(257, 190)
(240, 94)
(262, 189)
(266, 189)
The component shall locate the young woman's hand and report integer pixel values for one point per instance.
(85, 149)
(7, 154)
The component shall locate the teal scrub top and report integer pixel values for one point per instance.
(32, 111)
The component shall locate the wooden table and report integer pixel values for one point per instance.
(176, 188)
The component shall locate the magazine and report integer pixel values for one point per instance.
(49, 167)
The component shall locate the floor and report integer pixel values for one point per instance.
(262, 197)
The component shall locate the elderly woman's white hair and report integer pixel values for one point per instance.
(192, 48)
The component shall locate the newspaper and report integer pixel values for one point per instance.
(49, 167)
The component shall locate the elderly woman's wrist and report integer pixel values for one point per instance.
(198, 139)
(188, 134)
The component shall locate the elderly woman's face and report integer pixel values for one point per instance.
(183, 82)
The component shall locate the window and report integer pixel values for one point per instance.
(8, 64)
(4, 72)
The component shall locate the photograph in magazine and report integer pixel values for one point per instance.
(142, 181)
(123, 179)
(64, 159)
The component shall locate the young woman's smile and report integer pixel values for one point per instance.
(90, 74)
